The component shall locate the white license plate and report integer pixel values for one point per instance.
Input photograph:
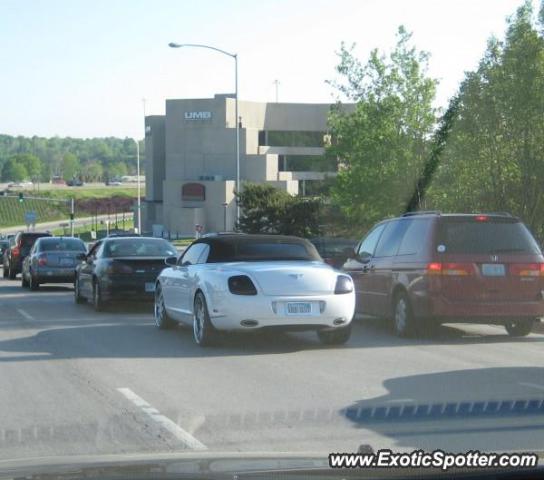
(149, 287)
(493, 270)
(65, 262)
(299, 308)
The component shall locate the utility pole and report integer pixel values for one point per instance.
(72, 216)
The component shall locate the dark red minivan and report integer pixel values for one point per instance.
(430, 268)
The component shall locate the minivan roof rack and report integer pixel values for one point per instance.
(421, 212)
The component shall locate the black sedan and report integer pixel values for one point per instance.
(121, 269)
(51, 260)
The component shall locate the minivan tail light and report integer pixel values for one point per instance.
(450, 268)
(42, 260)
(527, 269)
(434, 268)
(15, 251)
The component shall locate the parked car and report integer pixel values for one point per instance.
(5, 255)
(120, 268)
(4, 245)
(427, 269)
(333, 250)
(51, 260)
(21, 247)
(75, 182)
(249, 282)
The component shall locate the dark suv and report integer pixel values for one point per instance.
(424, 269)
(19, 250)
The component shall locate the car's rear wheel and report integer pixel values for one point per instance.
(98, 302)
(77, 292)
(203, 331)
(12, 273)
(24, 281)
(521, 328)
(338, 336)
(404, 324)
(33, 282)
(162, 320)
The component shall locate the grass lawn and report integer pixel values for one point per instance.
(12, 211)
(86, 193)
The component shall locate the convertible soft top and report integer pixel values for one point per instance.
(239, 248)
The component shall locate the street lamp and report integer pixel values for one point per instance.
(139, 201)
(235, 57)
(225, 205)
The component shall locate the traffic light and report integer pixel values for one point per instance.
(21, 197)
(71, 216)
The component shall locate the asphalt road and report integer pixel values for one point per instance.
(76, 382)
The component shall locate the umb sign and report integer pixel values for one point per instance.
(198, 115)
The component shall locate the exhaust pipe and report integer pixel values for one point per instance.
(249, 323)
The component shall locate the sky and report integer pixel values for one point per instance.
(91, 68)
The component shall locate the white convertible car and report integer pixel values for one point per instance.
(248, 282)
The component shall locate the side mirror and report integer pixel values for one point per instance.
(80, 257)
(363, 257)
(171, 261)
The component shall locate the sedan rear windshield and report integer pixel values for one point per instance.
(29, 239)
(493, 236)
(258, 251)
(139, 247)
(64, 244)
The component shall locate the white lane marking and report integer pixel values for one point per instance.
(532, 385)
(25, 314)
(182, 435)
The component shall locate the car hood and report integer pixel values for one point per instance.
(195, 465)
(208, 465)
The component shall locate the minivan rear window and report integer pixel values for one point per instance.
(491, 236)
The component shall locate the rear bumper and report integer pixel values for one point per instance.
(228, 313)
(478, 312)
(126, 289)
(55, 275)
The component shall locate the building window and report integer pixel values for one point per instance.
(193, 192)
(291, 138)
(306, 163)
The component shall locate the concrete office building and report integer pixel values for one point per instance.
(191, 158)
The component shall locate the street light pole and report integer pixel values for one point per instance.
(237, 120)
(139, 201)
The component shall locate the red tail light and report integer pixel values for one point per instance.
(481, 218)
(527, 269)
(453, 269)
(42, 260)
(15, 252)
(434, 268)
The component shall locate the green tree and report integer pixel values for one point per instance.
(92, 172)
(494, 158)
(70, 166)
(265, 209)
(32, 164)
(116, 170)
(14, 171)
(382, 145)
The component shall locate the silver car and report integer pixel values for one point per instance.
(52, 260)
